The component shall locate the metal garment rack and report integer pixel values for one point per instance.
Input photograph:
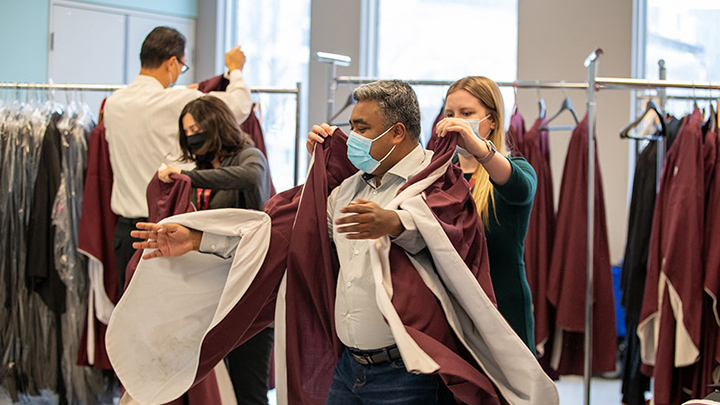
(593, 85)
(113, 87)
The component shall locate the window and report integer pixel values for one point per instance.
(446, 40)
(275, 36)
(685, 35)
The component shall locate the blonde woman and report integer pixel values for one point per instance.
(503, 188)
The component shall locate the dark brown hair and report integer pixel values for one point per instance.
(222, 131)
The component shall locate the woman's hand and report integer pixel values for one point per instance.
(164, 174)
(318, 135)
(168, 239)
(468, 140)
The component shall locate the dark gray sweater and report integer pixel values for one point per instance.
(241, 181)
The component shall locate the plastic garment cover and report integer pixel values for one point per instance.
(81, 383)
(38, 345)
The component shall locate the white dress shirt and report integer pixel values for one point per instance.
(141, 128)
(358, 321)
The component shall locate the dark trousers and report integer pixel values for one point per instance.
(123, 247)
(249, 368)
(384, 384)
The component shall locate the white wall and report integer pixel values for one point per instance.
(334, 28)
(554, 39)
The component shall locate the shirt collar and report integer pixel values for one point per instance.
(410, 164)
(145, 80)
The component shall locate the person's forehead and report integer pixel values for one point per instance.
(367, 111)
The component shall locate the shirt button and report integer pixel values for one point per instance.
(212, 247)
(675, 171)
(347, 316)
(357, 252)
(374, 191)
(349, 284)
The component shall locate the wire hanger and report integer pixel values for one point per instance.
(651, 107)
(565, 106)
(515, 104)
(542, 111)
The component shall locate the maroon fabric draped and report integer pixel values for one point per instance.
(96, 234)
(540, 235)
(567, 279)
(312, 345)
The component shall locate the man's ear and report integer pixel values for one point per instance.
(399, 132)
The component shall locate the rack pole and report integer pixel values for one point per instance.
(660, 143)
(296, 162)
(591, 64)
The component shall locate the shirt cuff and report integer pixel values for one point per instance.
(219, 245)
(409, 239)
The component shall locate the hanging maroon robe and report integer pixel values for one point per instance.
(711, 242)
(674, 282)
(567, 279)
(96, 234)
(516, 134)
(541, 232)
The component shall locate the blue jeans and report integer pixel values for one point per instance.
(388, 383)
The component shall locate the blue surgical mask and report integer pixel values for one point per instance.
(475, 124)
(358, 151)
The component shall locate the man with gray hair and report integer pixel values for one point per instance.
(384, 146)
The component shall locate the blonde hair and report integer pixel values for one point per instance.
(488, 93)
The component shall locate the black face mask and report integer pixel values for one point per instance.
(195, 141)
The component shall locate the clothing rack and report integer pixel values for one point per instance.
(113, 87)
(591, 86)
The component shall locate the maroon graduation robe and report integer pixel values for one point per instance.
(312, 346)
(299, 247)
(96, 234)
(567, 278)
(516, 134)
(674, 282)
(541, 232)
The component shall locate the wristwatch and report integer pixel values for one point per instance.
(491, 152)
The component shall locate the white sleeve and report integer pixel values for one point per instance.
(410, 238)
(219, 245)
(236, 96)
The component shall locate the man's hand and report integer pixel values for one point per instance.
(235, 59)
(318, 135)
(368, 221)
(168, 239)
(164, 174)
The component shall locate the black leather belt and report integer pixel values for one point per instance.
(380, 356)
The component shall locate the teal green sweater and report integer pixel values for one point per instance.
(506, 246)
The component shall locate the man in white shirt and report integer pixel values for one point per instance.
(141, 127)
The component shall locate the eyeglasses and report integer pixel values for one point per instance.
(183, 67)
